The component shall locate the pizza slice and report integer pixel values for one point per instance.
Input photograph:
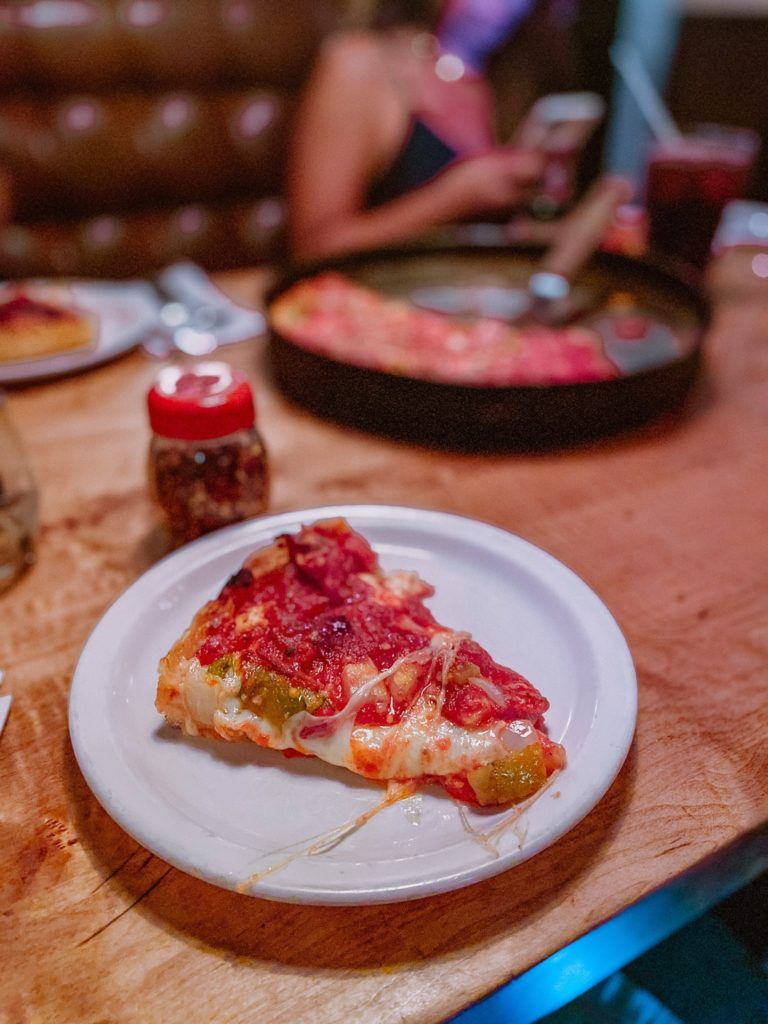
(42, 320)
(310, 648)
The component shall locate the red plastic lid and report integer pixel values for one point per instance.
(201, 402)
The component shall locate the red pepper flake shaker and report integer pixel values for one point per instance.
(207, 461)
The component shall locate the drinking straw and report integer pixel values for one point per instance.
(627, 62)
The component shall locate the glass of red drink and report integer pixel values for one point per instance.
(690, 181)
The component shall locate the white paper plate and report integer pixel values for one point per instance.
(126, 311)
(225, 812)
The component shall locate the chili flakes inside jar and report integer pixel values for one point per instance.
(207, 461)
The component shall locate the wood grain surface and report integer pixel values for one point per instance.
(668, 525)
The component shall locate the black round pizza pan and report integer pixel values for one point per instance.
(471, 418)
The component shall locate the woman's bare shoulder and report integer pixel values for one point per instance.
(354, 55)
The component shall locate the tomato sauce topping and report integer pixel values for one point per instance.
(326, 609)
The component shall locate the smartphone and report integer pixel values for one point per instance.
(559, 126)
(560, 122)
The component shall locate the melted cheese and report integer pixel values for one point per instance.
(424, 743)
(213, 702)
(200, 696)
(421, 743)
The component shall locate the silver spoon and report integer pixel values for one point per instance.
(189, 330)
(549, 297)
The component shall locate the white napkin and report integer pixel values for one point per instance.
(5, 704)
(5, 707)
(743, 223)
(188, 283)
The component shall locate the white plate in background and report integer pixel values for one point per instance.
(127, 310)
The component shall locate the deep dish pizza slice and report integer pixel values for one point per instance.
(42, 320)
(310, 648)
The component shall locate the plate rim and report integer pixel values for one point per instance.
(229, 540)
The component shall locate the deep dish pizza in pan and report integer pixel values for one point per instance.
(332, 315)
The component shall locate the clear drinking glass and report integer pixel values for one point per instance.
(18, 503)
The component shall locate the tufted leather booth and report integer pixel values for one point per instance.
(136, 132)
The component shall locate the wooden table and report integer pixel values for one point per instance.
(667, 525)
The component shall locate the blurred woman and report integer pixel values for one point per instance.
(396, 133)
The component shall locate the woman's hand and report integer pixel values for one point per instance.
(498, 180)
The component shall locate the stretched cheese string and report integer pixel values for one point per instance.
(447, 653)
(396, 791)
(328, 840)
(487, 845)
(486, 839)
(501, 826)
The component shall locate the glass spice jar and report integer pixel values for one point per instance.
(18, 504)
(207, 461)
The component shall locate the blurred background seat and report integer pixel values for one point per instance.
(134, 132)
(137, 132)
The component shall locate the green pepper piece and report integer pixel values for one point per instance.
(224, 665)
(510, 779)
(274, 699)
